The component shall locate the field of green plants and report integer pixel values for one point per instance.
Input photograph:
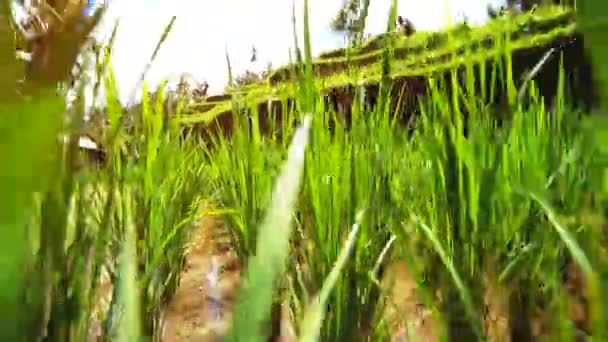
(506, 221)
(422, 54)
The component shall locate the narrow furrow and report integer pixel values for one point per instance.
(202, 305)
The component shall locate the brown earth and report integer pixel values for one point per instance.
(103, 297)
(408, 318)
(189, 315)
(200, 309)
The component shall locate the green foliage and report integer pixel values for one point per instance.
(346, 18)
(472, 202)
(522, 198)
(514, 198)
(350, 19)
(250, 77)
(419, 55)
(594, 17)
(272, 245)
(64, 225)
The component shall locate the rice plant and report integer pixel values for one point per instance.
(497, 218)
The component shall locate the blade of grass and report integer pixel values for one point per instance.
(253, 306)
(315, 313)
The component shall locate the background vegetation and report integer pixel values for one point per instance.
(506, 219)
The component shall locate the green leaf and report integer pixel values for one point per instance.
(593, 17)
(28, 132)
(272, 249)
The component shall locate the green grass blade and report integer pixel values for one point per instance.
(315, 313)
(253, 307)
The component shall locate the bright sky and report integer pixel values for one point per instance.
(204, 29)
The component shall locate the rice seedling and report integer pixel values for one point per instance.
(468, 206)
(67, 226)
(497, 222)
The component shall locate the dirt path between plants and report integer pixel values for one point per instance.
(201, 311)
(201, 307)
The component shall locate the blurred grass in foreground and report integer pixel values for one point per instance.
(510, 207)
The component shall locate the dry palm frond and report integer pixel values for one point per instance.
(51, 34)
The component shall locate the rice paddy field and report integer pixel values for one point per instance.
(469, 221)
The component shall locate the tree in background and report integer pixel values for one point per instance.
(191, 87)
(250, 77)
(526, 5)
(49, 35)
(350, 20)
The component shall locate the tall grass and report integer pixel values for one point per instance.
(66, 225)
(492, 204)
(474, 205)
(469, 204)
